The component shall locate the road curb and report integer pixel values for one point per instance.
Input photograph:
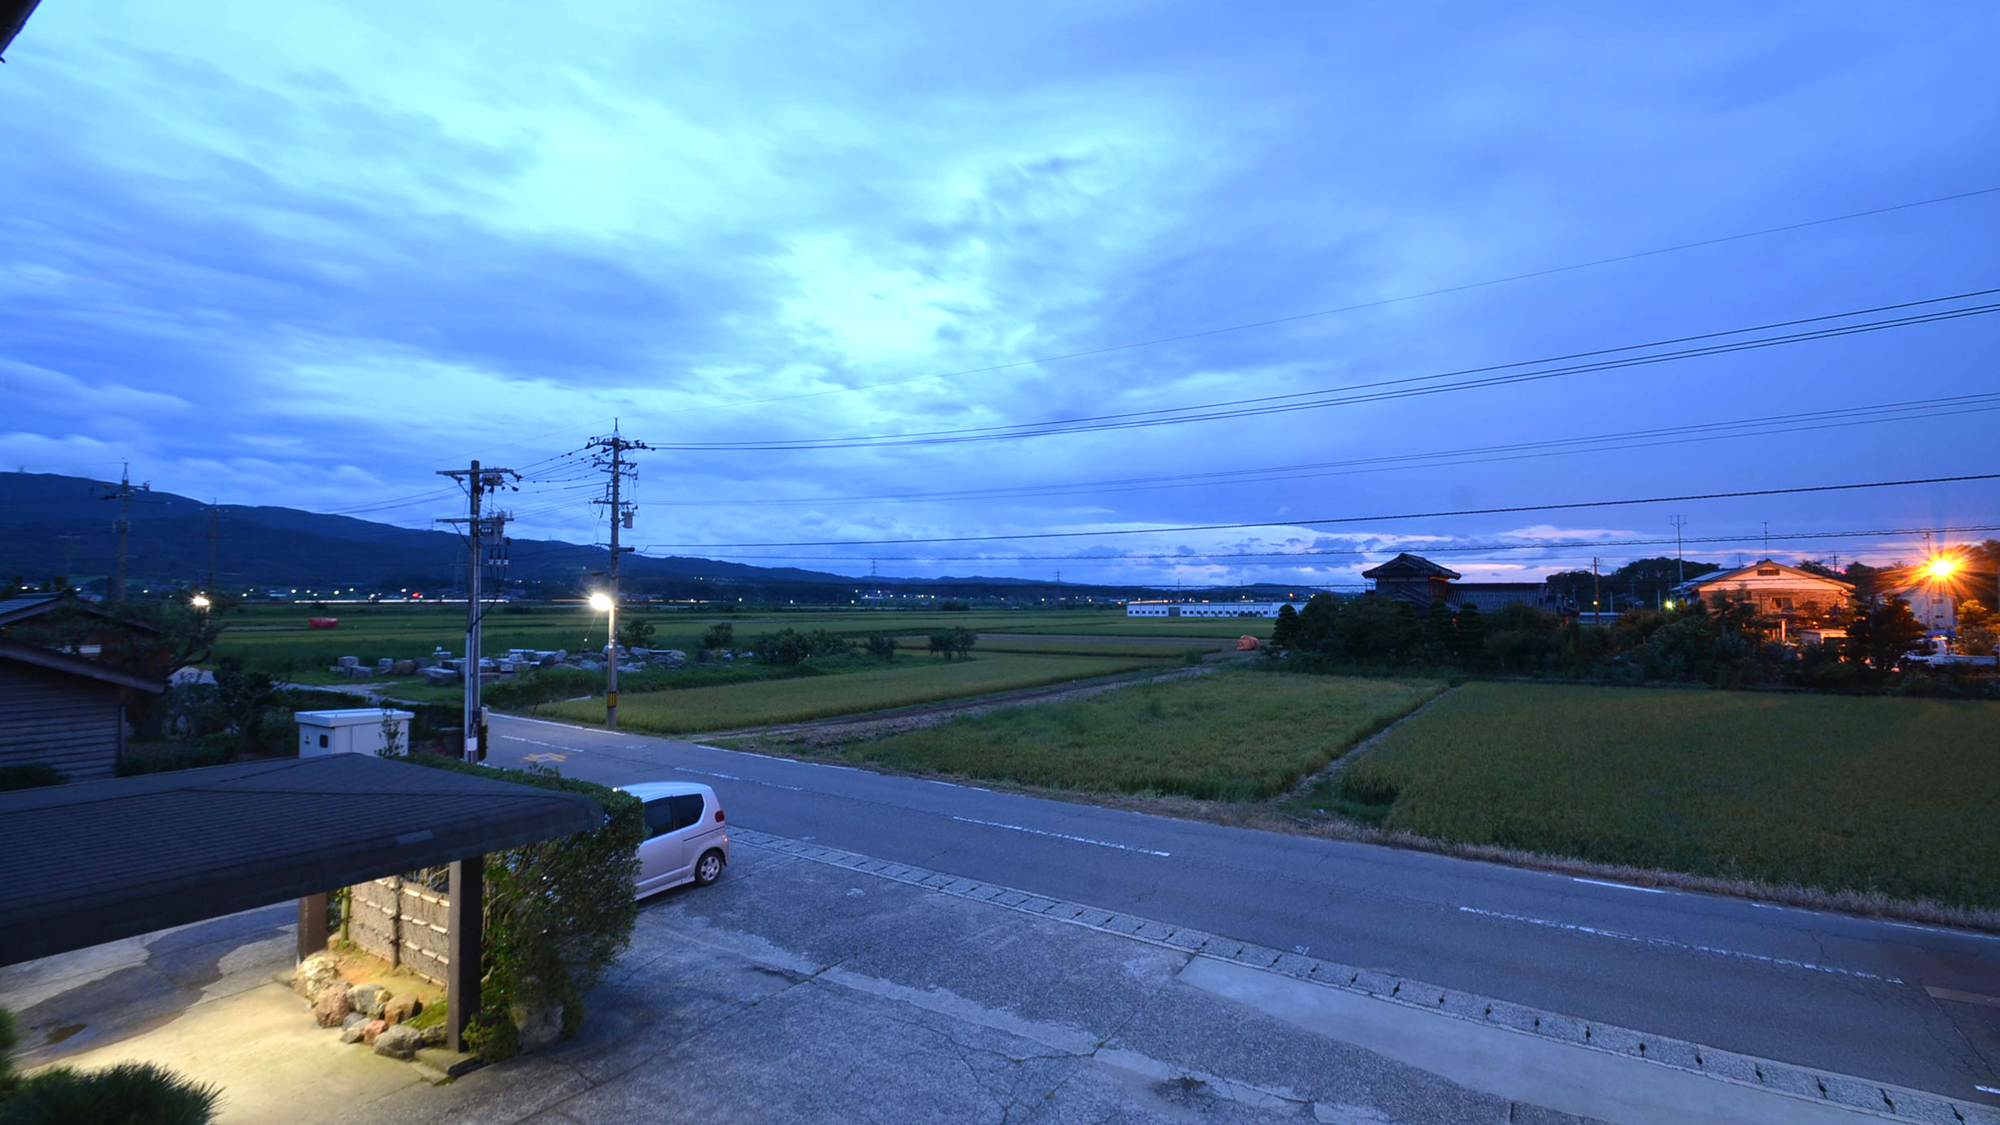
(1890, 1103)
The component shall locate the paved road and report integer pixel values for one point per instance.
(1844, 994)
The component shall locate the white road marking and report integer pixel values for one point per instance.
(1619, 886)
(733, 777)
(1986, 1090)
(565, 726)
(538, 742)
(1062, 836)
(1667, 944)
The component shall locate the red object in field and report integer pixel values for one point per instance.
(322, 622)
(1246, 644)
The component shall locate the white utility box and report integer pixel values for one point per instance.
(362, 730)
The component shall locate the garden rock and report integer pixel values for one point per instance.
(315, 974)
(368, 998)
(373, 1031)
(354, 1019)
(400, 1008)
(353, 1032)
(403, 668)
(539, 1027)
(399, 1042)
(330, 1006)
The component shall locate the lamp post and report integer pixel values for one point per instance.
(610, 608)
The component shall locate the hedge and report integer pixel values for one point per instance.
(557, 912)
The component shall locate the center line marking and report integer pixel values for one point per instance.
(539, 742)
(733, 777)
(1619, 886)
(1666, 944)
(1062, 836)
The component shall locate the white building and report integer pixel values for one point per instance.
(1206, 609)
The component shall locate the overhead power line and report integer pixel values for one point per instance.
(1356, 307)
(1623, 440)
(1322, 521)
(1403, 387)
(1339, 552)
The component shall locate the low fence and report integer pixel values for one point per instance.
(404, 920)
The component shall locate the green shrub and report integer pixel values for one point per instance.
(126, 1094)
(33, 775)
(557, 912)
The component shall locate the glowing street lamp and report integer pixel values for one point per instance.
(1941, 567)
(199, 601)
(604, 604)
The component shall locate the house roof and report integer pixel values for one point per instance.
(1407, 565)
(1724, 577)
(76, 665)
(91, 862)
(23, 607)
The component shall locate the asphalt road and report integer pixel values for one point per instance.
(1844, 994)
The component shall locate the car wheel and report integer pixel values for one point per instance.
(708, 869)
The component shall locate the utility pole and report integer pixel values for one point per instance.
(478, 529)
(69, 561)
(610, 457)
(1680, 565)
(1767, 539)
(213, 535)
(123, 527)
(1596, 591)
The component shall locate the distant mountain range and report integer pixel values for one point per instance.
(53, 525)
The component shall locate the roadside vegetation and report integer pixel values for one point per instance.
(1231, 736)
(1882, 795)
(908, 682)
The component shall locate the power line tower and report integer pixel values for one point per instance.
(123, 527)
(609, 455)
(479, 529)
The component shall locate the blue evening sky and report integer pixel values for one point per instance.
(308, 253)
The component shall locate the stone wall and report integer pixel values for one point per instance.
(404, 920)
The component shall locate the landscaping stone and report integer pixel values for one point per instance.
(355, 1019)
(399, 1042)
(539, 1027)
(353, 1033)
(368, 998)
(400, 1008)
(373, 1030)
(315, 974)
(330, 1006)
(403, 668)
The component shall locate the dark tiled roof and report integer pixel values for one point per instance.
(95, 861)
(25, 606)
(1407, 565)
(76, 665)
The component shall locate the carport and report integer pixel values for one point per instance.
(86, 863)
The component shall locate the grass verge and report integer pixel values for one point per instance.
(1870, 798)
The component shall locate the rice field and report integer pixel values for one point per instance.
(904, 684)
(1888, 795)
(1232, 735)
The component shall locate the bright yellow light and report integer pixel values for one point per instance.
(600, 602)
(199, 601)
(1942, 566)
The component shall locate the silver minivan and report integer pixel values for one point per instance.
(685, 838)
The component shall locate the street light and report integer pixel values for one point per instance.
(1942, 566)
(199, 601)
(603, 603)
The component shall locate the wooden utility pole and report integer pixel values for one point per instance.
(123, 527)
(611, 458)
(1596, 591)
(478, 529)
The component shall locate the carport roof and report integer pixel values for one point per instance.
(92, 862)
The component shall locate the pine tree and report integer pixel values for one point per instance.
(1469, 641)
(1285, 634)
